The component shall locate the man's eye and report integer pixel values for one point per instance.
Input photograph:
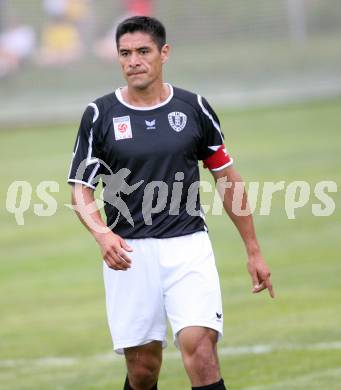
(144, 51)
(124, 54)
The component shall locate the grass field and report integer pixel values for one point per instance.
(53, 331)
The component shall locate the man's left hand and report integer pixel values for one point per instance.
(260, 274)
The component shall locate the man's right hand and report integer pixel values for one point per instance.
(114, 251)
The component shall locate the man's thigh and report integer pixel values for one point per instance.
(191, 284)
(134, 299)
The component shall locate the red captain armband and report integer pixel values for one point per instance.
(219, 159)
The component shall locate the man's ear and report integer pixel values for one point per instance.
(165, 51)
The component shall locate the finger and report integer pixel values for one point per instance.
(125, 246)
(121, 261)
(117, 267)
(265, 285)
(258, 288)
(268, 285)
(114, 262)
(255, 280)
(123, 256)
(112, 265)
(118, 256)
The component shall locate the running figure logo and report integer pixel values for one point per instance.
(115, 185)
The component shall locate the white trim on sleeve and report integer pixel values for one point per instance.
(91, 160)
(223, 166)
(96, 113)
(70, 181)
(93, 174)
(205, 111)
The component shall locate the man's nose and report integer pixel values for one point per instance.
(134, 60)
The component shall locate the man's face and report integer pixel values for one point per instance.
(140, 59)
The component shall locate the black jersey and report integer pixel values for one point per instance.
(147, 159)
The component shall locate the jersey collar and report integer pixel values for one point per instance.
(120, 99)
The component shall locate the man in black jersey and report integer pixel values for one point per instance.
(144, 142)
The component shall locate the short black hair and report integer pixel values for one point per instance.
(145, 24)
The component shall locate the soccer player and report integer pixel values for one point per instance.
(144, 142)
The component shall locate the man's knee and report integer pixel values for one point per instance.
(143, 366)
(143, 375)
(200, 355)
(202, 360)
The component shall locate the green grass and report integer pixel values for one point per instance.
(51, 291)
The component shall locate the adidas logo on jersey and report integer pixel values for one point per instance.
(151, 125)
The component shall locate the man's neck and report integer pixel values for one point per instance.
(151, 96)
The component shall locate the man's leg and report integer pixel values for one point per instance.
(143, 364)
(198, 347)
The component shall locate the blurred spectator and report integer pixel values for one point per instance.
(76, 12)
(16, 45)
(62, 36)
(105, 48)
(79, 13)
(61, 43)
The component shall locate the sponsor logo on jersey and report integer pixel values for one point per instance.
(177, 120)
(122, 127)
(219, 316)
(151, 125)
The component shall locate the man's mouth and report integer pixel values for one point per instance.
(135, 73)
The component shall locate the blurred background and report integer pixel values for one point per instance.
(272, 71)
(57, 55)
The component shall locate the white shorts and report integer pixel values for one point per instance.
(174, 278)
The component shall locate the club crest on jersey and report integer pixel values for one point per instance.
(177, 120)
(122, 128)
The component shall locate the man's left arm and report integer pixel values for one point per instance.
(230, 185)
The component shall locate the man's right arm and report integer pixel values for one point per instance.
(112, 246)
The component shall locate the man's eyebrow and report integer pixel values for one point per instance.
(137, 48)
